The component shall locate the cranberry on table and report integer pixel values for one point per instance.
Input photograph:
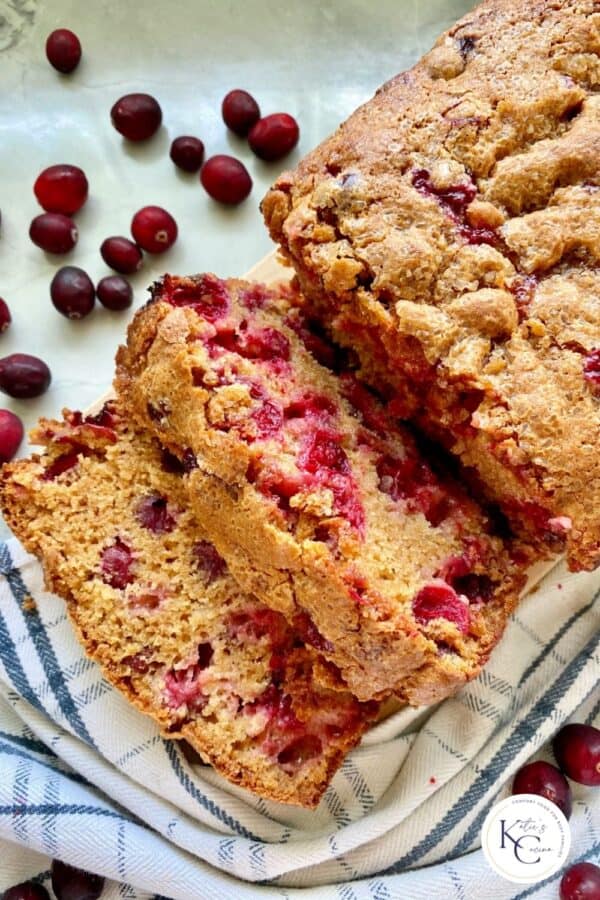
(577, 751)
(114, 292)
(53, 232)
(274, 136)
(11, 434)
(72, 292)
(225, 179)
(27, 890)
(69, 883)
(23, 376)
(121, 254)
(136, 116)
(240, 111)
(187, 153)
(5, 316)
(61, 189)
(154, 229)
(63, 50)
(545, 780)
(581, 882)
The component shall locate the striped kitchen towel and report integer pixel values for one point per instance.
(86, 778)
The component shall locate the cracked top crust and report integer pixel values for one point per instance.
(453, 222)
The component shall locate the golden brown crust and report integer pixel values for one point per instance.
(182, 380)
(180, 640)
(450, 230)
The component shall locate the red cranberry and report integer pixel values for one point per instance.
(136, 116)
(121, 254)
(187, 153)
(53, 232)
(152, 512)
(209, 562)
(577, 751)
(116, 563)
(545, 780)
(23, 376)
(591, 368)
(114, 292)
(61, 189)
(154, 229)
(5, 316)
(28, 890)
(240, 111)
(225, 179)
(581, 882)
(69, 883)
(438, 600)
(274, 136)
(11, 434)
(72, 292)
(63, 50)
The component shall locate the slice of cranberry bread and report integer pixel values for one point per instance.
(321, 504)
(448, 232)
(105, 510)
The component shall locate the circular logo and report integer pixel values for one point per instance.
(525, 838)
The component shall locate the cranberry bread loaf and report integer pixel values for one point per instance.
(449, 232)
(321, 504)
(154, 605)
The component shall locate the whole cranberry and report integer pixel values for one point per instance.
(61, 189)
(5, 316)
(27, 890)
(122, 255)
(274, 136)
(187, 153)
(136, 116)
(114, 292)
(240, 111)
(69, 883)
(545, 780)
(581, 882)
(63, 50)
(72, 292)
(154, 229)
(53, 232)
(11, 434)
(577, 751)
(226, 179)
(23, 376)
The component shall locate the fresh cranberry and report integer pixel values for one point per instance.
(61, 189)
(23, 376)
(154, 229)
(591, 368)
(11, 434)
(69, 883)
(53, 232)
(5, 316)
(187, 153)
(207, 294)
(121, 254)
(28, 890)
(136, 116)
(274, 136)
(581, 882)
(72, 292)
(577, 751)
(116, 564)
(208, 561)
(544, 779)
(63, 50)
(114, 292)
(153, 513)
(225, 179)
(240, 111)
(438, 600)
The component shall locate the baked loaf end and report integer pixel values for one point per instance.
(322, 505)
(151, 599)
(449, 232)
